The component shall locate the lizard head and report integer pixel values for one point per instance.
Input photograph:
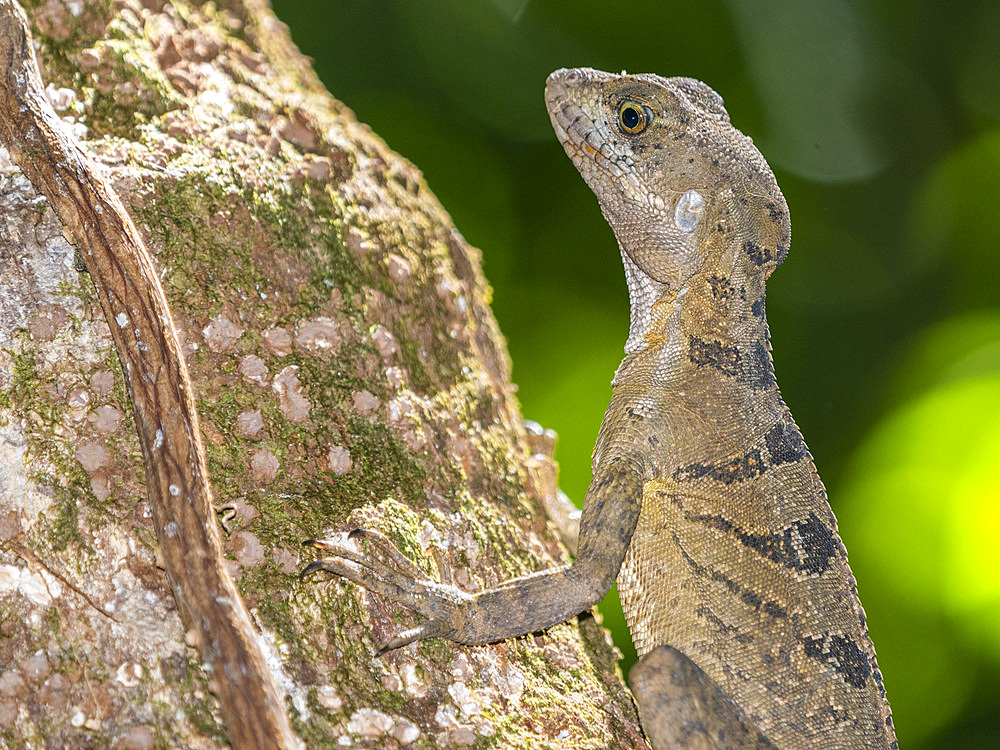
(683, 190)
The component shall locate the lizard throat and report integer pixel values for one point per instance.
(647, 298)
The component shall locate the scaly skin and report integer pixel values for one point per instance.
(705, 502)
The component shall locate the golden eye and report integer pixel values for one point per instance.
(633, 118)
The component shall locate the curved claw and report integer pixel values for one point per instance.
(316, 564)
(310, 568)
(390, 574)
(345, 545)
(431, 629)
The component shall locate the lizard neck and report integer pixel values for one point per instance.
(709, 336)
(713, 323)
(644, 293)
(716, 315)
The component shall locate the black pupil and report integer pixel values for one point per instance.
(630, 118)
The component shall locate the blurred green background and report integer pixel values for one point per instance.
(882, 123)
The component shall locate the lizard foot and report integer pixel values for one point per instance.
(543, 474)
(541, 441)
(385, 571)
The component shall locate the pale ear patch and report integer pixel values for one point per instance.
(690, 208)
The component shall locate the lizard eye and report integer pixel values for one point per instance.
(633, 118)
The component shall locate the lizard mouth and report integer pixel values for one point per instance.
(574, 101)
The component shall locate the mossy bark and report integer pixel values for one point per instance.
(347, 369)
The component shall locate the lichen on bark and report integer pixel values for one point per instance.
(346, 367)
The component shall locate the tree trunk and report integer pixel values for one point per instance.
(346, 369)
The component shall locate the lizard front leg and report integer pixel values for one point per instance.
(520, 605)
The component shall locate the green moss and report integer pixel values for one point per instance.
(76, 32)
(199, 707)
(230, 454)
(320, 730)
(202, 256)
(82, 290)
(286, 213)
(437, 651)
(163, 720)
(491, 530)
(200, 716)
(52, 619)
(131, 59)
(123, 48)
(52, 458)
(295, 227)
(382, 468)
(497, 739)
(389, 700)
(333, 383)
(355, 677)
(409, 350)
(309, 220)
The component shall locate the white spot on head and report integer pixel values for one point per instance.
(158, 442)
(121, 319)
(174, 490)
(689, 210)
(171, 529)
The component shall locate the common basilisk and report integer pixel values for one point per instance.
(705, 503)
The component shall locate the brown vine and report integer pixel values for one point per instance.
(94, 219)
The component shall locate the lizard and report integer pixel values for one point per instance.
(705, 502)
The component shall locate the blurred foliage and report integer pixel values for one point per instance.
(882, 122)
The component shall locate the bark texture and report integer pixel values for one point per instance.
(346, 369)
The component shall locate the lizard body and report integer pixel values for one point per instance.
(705, 502)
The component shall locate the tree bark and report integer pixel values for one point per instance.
(346, 369)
